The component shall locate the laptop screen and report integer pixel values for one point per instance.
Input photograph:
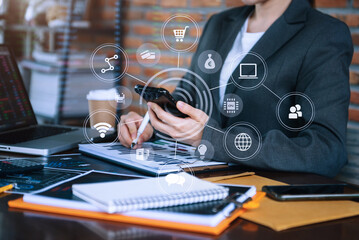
(15, 107)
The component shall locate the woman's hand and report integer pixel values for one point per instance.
(188, 130)
(127, 129)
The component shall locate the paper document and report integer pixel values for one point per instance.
(157, 158)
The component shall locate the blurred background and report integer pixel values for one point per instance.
(53, 41)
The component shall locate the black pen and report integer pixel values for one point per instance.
(230, 198)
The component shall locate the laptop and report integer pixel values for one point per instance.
(19, 130)
(246, 71)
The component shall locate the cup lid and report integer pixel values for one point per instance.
(102, 94)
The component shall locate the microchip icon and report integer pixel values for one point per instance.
(231, 105)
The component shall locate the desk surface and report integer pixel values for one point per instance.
(16, 224)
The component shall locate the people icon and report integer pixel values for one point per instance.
(295, 112)
(299, 112)
(209, 64)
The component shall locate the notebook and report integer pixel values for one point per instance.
(193, 217)
(155, 158)
(171, 190)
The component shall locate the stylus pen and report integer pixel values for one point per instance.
(6, 188)
(142, 127)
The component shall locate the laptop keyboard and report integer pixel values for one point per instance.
(32, 134)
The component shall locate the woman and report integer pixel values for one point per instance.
(306, 51)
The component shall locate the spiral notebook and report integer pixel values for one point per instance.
(171, 190)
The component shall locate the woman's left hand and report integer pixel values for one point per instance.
(188, 130)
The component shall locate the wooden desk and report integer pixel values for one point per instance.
(16, 224)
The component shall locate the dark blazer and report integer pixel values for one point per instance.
(306, 51)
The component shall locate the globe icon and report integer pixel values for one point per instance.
(243, 142)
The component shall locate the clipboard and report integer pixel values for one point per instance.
(20, 204)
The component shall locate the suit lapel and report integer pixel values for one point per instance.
(281, 31)
(229, 30)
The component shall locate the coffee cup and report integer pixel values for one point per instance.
(102, 107)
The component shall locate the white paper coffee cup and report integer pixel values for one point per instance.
(102, 106)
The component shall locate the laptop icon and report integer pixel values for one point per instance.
(19, 130)
(248, 71)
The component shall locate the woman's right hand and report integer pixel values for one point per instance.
(127, 129)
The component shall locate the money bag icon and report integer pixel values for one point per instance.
(209, 64)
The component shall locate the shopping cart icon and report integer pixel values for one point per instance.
(179, 34)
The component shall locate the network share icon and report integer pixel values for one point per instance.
(110, 67)
(104, 61)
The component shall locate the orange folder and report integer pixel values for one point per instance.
(19, 203)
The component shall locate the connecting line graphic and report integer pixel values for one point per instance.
(215, 129)
(178, 60)
(175, 157)
(223, 85)
(271, 91)
(131, 122)
(135, 78)
(110, 67)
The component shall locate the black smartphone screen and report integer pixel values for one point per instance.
(312, 191)
(160, 96)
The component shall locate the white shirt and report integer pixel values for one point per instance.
(242, 44)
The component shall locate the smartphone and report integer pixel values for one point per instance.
(160, 96)
(311, 192)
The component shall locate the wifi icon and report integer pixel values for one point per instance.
(102, 128)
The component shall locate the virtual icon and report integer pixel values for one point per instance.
(248, 71)
(174, 178)
(230, 105)
(180, 33)
(202, 149)
(209, 64)
(243, 142)
(102, 128)
(142, 154)
(110, 67)
(295, 112)
(148, 55)
(120, 98)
